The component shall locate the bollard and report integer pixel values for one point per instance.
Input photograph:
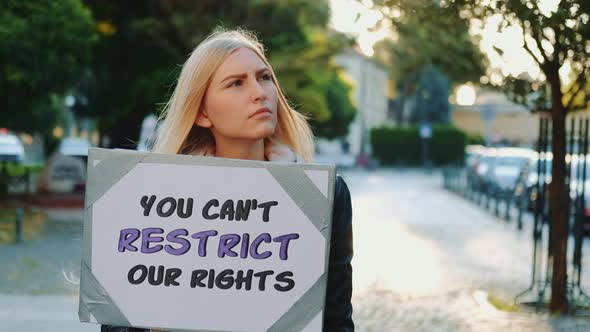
(519, 216)
(27, 186)
(19, 225)
(4, 180)
(507, 215)
(496, 205)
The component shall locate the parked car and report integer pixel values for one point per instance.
(482, 168)
(578, 167)
(525, 191)
(586, 210)
(75, 147)
(66, 170)
(473, 154)
(506, 168)
(11, 148)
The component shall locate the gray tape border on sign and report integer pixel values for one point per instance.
(304, 193)
(96, 301)
(309, 199)
(93, 298)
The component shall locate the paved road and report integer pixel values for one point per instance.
(39, 279)
(425, 259)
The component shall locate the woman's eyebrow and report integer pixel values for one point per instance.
(244, 75)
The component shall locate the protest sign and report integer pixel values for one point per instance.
(187, 243)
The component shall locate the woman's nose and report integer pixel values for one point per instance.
(258, 92)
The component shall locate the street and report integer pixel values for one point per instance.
(425, 259)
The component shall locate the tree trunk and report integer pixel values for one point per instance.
(558, 200)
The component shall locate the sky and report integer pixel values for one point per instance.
(356, 18)
(352, 17)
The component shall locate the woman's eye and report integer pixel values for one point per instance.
(266, 77)
(235, 83)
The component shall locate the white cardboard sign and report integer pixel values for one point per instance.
(199, 243)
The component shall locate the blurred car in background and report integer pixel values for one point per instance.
(11, 148)
(577, 167)
(508, 172)
(525, 191)
(75, 147)
(472, 154)
(506, 168)
(586, 210)
(66, 169)
(482, 168)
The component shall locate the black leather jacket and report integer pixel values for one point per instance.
(338, 308)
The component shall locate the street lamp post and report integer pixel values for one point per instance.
(362, 159)
(70, 101)
(425, 135)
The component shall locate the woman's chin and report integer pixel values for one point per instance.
(264, 131)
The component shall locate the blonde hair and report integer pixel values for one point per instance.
(178, 133)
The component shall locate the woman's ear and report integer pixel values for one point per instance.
(203, 120)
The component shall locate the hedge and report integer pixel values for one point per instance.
(403, 145)
(17, 169)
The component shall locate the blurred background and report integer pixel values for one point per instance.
(461, 128)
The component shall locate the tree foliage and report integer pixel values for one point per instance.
(431, 42)
(44, 48)
(429, 34)
(142, 45)
(553, 38)
(338, 95)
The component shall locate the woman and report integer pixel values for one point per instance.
(227, 103)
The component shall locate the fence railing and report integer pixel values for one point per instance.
(510, 204)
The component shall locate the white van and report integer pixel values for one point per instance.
(11, 148)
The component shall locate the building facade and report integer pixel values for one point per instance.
(497, 119)
(370, 96)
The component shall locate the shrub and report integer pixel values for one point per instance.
(447, 145)
(403, 145)
(14, 169)
(396, 145)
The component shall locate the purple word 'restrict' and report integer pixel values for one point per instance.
(177, 242)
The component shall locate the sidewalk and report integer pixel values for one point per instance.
(41, 313)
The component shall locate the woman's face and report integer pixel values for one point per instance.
(241, 100)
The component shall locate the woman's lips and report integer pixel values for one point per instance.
(262, 112)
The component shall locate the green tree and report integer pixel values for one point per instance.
(338, 95)
(142, 45)
(428, 36)
(553, 39)
(432, 96)
(44, 49)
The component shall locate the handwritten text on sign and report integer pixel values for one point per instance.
(179, 242)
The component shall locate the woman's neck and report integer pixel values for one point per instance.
(240, 149)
